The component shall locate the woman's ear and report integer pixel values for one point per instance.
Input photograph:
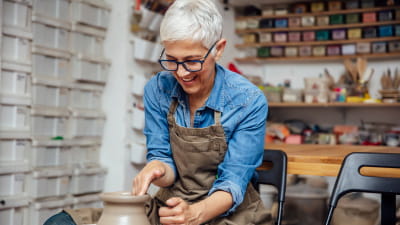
(220, 47)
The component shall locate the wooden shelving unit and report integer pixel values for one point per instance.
(333, 104)
(324, 13)
(254, 59)
(316, 58)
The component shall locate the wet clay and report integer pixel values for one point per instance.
(122, 208)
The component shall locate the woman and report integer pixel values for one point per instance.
(204, 126)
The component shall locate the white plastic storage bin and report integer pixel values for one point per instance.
(55, 153)
(17, 83)
(53, 9)
(14, 150)
(87, 40)
(138, 83)
(86, 96)
(87, 201)
(51, 37)
(17, 14)
(55, 96)
(50, 66)
(16, 49)
(90, 69)
(47, 126)
(13, 179)
(83, 155)
(49, 182)
(40, 211)
(14, 211)
(87, 180)
(91, 12)
(14, 118)
(86, 124)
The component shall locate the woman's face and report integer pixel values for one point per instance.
(197, 83)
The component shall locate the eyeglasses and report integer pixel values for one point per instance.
(189, 65)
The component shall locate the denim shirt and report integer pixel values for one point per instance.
(243, 110)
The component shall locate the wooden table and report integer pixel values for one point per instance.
(325, 160)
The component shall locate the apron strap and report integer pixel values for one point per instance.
(172, 108)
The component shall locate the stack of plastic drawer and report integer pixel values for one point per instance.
(89, 70)
(15, 76)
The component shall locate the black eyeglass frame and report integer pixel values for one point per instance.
(183, 62)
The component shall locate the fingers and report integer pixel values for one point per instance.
(175, 213)
(143, 180)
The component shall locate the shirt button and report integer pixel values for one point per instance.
(198, 113)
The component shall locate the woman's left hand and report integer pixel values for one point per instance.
(179, 212)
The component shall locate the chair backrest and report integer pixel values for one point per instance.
(350, 178)
(275, 176)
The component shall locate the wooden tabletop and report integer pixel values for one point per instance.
(325, 160)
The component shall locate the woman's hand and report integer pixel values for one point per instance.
(180, 212)
(154, 171)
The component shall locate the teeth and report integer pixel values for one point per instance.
(187, 80)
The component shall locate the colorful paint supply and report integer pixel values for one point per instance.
(265, 37)
(367, 4)
(241, 24)
(338, 34)
(363, 47)
(299, 8)
(266, 23)
(352, 18)
(281, 10)
(394, 46)
(308, 36)
(369, 17)
(294, 36)
(336, 19)
(307, 21)
(305, 51)
(291, 51)
(354, 33)
(397, 14)
(322, 20)
(348, 49)
(333, 50)
(397, 30)
(267, 11)
(280, 37)
(318, 51)
(322, 35)
(249, 38)
(385, 15)
(379, 47)
(281, 23)
(369, 32)
(317, 7)
(253, 23)
(294, 22)
(385, 31)
(263, 52)
(277, 51)
(352, 4)
(334, 5)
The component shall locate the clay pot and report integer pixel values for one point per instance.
(122, 208)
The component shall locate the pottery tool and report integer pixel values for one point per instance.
(361, 67)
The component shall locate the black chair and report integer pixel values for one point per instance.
(350, 179)
(275, 176)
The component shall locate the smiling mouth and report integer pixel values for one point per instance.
(189, 79)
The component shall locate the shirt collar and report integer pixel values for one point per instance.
(216, 99)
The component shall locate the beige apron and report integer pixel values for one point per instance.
(197, 152)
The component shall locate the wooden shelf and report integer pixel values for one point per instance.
(331, 104)
(317, 58)
(330, 42)
(324, 13)
(310, 28)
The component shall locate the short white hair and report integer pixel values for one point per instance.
(195, 20)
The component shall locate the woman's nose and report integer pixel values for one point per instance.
(181, 72)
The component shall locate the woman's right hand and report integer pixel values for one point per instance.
(153, 171)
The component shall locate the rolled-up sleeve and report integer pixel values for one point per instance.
(245, 150)
(156, 125)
